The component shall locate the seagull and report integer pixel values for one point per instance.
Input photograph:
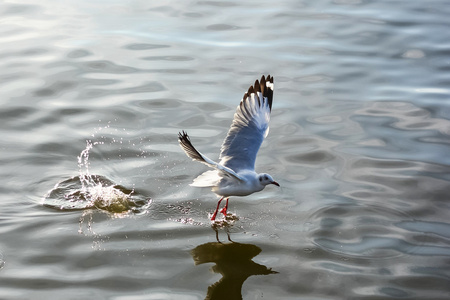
(235, 174)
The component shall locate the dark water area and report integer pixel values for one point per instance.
(94, 189)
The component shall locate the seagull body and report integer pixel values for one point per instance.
(235, 174)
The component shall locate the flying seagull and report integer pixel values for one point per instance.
(235, 174)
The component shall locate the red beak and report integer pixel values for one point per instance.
(276, 183)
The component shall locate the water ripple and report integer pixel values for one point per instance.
(367, 231)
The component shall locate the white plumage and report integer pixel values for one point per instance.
(235, 174)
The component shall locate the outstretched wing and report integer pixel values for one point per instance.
(249, 128)
(185, 143)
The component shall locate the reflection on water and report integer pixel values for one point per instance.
(234, 262)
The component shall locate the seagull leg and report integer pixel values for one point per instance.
(224, 209)
(217, 210)
(228, 234)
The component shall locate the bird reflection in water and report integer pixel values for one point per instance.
(234, 262)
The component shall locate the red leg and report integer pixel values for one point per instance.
(217, 210)
(225, 208)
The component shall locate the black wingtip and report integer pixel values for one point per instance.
(257, 86)
(184, 140)
(262, 87)
(183, 136)
(269, 90)
(189, 149)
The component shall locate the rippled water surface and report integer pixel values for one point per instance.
(94, 190)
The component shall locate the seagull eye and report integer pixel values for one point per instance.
(260, 179)
(265, 177)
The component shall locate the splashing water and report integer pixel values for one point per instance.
(87, 191)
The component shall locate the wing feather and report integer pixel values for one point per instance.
(249, 128)
(186, 145)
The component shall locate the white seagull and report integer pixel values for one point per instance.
(235, 174)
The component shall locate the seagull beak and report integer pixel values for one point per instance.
(276, 183)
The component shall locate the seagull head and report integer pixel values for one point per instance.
(265, 179)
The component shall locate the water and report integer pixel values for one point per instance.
(94, 190)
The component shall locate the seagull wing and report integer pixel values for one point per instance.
(185, 143)
(249, 128)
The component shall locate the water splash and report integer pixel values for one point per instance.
(227, 221)
(90, 191)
